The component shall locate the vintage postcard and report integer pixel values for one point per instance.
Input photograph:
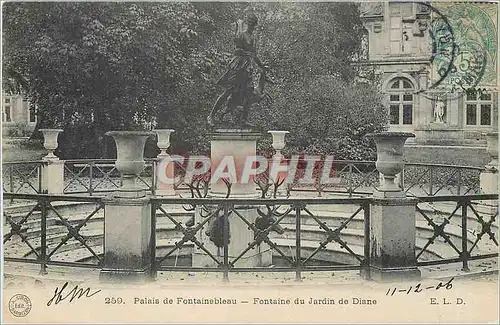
(250, 162)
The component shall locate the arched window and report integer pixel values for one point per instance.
(400, 102)
(32, 113)
(6, 108)
(478, 108)
(365, 45)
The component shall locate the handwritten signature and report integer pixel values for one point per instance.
(419, 288)
(75, 293)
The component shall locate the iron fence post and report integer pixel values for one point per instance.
(39, 178)
(153, 175)
(11, 181)
(298, 259)
(91, 175)
(153, 241)
(350, 180)
(103, 261)
(402, 178)
(459, 185)
(465, 254)
(225, 221)
(431, 181)
(366, 262)
(43, 238)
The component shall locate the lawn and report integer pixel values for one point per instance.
(21, 149)
(464, 156)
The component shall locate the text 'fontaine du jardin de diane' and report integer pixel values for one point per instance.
(254, 301)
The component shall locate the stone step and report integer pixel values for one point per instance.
(331, 253)
(166, 229)
(285, 244)
(55, 225)
(308, 245)
(62, 207)
(325, 213)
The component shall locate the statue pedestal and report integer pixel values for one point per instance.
(227, 147)
(165, 189)
(52, 174)
(240, 237)
(231, 147)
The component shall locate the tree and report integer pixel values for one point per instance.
(94, 67)
(318, 96)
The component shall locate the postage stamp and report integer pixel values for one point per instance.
(466, 45)
(249, 162)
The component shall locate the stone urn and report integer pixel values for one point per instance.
(278, 140)
(390, 150)
(163, 137)
(492, 149)
(163, 143)
(50, 141)
(278, 145)
(130, 159)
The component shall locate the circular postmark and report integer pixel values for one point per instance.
(443, 47)
(19, 305)
(459, 55)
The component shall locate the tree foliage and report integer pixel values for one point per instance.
(98, 66)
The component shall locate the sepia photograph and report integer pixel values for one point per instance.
(234, 162)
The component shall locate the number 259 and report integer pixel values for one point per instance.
(113, 301)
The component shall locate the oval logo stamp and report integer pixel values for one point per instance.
(20, 305)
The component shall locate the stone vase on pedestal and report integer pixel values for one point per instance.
(489, 176)
(130, 160)
(278, 145)
(52, 172)
(278, 141)
(127, 215)
(390, 153)
(50, 141)
(164, 164)
(392, 224)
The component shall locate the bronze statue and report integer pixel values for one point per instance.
(238, 80)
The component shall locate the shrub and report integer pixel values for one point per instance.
(20, 129)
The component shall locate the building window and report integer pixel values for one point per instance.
(478, 108)
(400, 30)
(32, 113)
(400, 102)
(6, 109)
(7, 113)
(365, 45)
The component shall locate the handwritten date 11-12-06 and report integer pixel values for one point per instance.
(75, 293)
(419, 288)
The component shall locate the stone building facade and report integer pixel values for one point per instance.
(18, 118)
(403, 49)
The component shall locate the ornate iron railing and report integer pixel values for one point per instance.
(352, 178)
(50, 229)
(466, 227)
(218, 214)
(100, 175)
(43, 234)
(22, 177)
(438, 179)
